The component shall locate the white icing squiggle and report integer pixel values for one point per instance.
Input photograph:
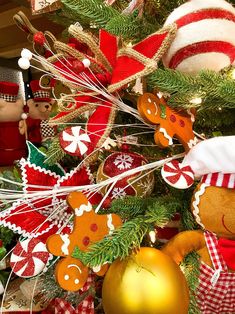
(64, 247)
(83, 208)
(76, 266)
(193, 142)
(195, 204)
(96, 269)
(192, 116)
(110, 223)
(166, 135)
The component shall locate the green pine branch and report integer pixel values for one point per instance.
(190, 267)
(172, 81)
(216, 90)
(119, 244)
(130, 27)
(55, 152)
(96, 11)
(130, 235)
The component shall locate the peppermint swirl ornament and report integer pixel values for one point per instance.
(74, 141)
(180, 177)
(29, 258)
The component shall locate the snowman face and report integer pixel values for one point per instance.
(214, 209)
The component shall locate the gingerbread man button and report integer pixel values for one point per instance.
(89, 228)
(154, 110)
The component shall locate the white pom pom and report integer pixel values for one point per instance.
(24, 116)
(86, 63)
(24, 63)
(27, 54)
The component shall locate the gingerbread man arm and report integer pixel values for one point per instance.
(64, 245)
(184, 243)
(163, 137)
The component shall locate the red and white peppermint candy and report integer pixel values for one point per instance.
(73, 139)
(177, 176)
(29, 258)
(204, 38)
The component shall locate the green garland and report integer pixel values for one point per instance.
(216, 90)
(130, 235)
(191, 269)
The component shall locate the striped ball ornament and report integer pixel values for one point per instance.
(205, 37)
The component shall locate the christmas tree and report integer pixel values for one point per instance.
(97, 217)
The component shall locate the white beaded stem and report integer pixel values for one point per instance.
(99, 185)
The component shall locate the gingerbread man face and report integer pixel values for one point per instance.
(213, 208)
(89, 228)
(154, 110)
(71, 274)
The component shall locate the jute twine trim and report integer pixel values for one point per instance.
(51, 68)
(78, 33)
(66, 50)
(61, 47)
(72, 115)
(70, 98)
(129, 52)
(72, 112)
(150, 64)
(50, 36)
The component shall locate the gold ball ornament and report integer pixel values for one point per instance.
(146, 282)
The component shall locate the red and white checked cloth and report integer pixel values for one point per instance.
(85, 307)
(61, 306)
(216, 291)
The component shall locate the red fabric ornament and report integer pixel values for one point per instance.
(118, 163)
(227, 250)
(98, 124)
(39, 38)
(130, 64)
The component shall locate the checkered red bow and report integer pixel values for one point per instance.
(64, 307)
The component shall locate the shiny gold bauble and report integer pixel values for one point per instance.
(146, 282)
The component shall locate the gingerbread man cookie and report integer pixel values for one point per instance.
(89, 228)
(154, 110)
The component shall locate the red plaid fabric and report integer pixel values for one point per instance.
(216, 291)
